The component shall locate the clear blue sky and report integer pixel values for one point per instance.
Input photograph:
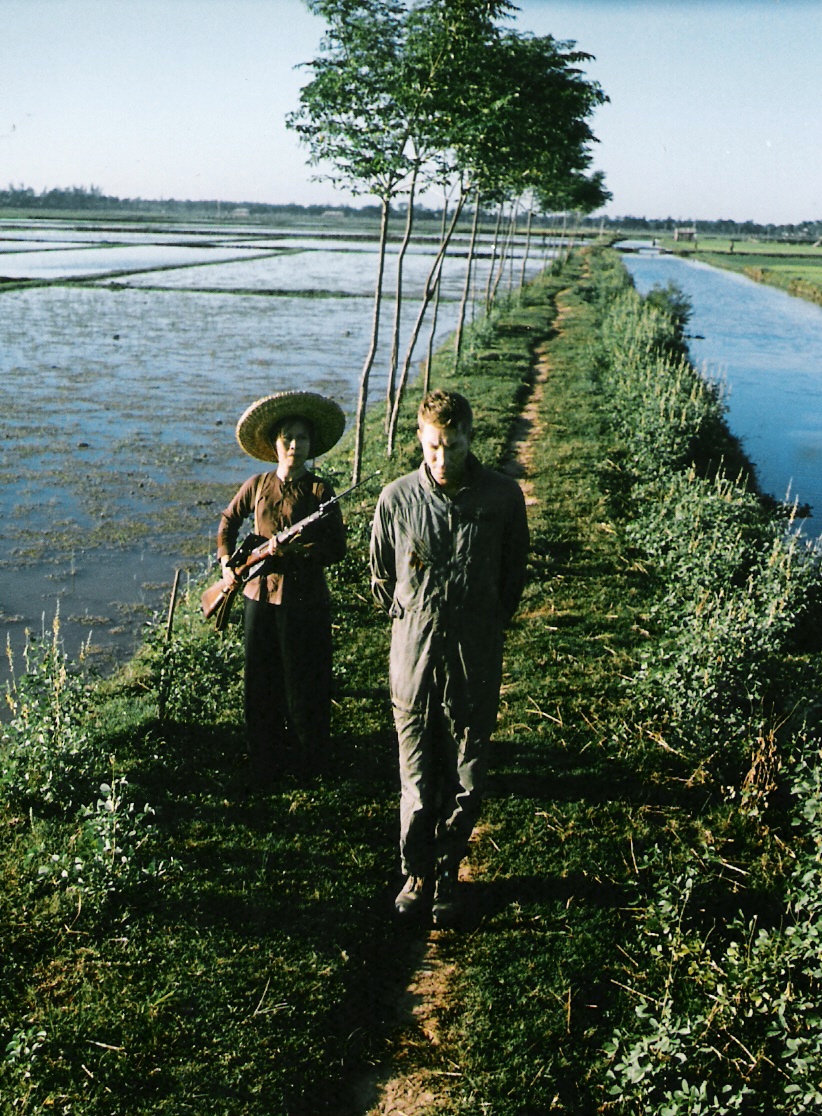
(715, 105)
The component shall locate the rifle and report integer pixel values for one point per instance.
(249, 560)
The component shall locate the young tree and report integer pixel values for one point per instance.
(356, 128)
(466, 287)
(428, 294)
(405, 89)
(448, 41)
(443, 45)
(535, 132)
(579, 193)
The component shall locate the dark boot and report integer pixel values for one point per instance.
(411, 901)
(445, 910)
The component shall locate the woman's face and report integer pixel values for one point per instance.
(293, 444)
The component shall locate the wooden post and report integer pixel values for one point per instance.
(162, 694)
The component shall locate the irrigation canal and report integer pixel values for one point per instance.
(766, 346)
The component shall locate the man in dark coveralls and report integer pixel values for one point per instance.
(448, 554)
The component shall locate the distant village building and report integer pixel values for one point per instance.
(339, 213)
(241, 211)
(685, 232)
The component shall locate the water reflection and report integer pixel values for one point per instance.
(767, 346)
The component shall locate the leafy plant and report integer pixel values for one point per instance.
(106, 855)
(48, 749)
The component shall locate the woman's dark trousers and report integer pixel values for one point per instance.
(287, 688)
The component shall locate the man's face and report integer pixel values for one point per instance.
(444, 450)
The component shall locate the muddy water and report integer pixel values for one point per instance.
(120, 396)
(766, 347)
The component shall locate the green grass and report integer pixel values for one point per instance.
(742, 246)
(565, 816)
(581, 927)
(236, 953)
(802, 280)
(795, 268)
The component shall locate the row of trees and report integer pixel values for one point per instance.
(410, 96)
(806, 231)
(66, 198)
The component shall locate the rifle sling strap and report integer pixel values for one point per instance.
(257, 490)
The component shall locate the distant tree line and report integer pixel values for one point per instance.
(805, 230)
(92, 198)
(74, 197)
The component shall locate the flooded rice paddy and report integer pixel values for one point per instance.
(65, 262)
(123, 372)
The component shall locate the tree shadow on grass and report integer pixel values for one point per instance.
(493, 902)
(529, 769)
(297, 880)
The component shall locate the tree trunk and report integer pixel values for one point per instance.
(474, 300)
(512, 248)
(362, 402)
(466, 290)
(430, 286)
(506, 247)
(493, 262)
(548, 219)
(395, 340)
(429, 356)
(527, 251)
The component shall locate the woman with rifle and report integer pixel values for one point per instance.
(287, 608)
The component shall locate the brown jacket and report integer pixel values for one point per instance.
(274, 505)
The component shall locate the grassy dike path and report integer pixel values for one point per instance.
(643, 928)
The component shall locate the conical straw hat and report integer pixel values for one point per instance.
(265, 415)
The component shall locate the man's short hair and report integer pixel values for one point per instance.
(446, 408)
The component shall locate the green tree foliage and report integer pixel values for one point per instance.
(349, 117)
(356, 127)
(508, 111)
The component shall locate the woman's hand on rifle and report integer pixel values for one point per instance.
(294, 547)
(229, 576)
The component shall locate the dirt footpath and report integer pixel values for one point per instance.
(416, 1084)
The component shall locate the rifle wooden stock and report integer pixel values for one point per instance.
(218, 598)
(214, 596)
(247, 562)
